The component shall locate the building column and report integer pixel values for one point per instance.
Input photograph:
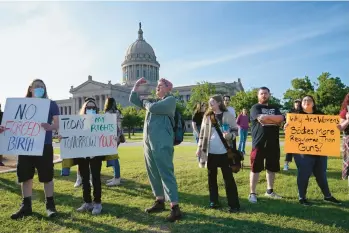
(100, 103)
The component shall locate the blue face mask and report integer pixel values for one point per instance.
(90, 111)
(39, 92)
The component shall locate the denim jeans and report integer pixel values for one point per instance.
(311, 164)
(116, 168)
(243, 137)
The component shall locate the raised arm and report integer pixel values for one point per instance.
(166, 106)
(134, 98)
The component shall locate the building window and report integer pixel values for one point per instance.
(188, 97)
(69, 110)
(61, 109)
(65, 110)
(188, 126)
(137, 73)
(144, 73)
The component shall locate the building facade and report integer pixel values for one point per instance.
(140, 61)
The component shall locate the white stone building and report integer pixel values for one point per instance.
(140, 61)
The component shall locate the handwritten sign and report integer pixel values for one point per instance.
(22, 120)
(312, 134)
(88, 135)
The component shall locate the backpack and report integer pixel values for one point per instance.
(179, 128)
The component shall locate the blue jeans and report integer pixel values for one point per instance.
(243, 137)
(311, 164)
(116, 169)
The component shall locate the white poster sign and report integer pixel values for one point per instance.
(22, 120)
(88, 135)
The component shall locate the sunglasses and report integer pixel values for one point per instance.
(90, 107)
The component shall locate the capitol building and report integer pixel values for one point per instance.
(140, 61)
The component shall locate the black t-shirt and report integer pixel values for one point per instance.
(261, 134)
(197, 118)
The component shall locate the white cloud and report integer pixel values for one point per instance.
(43, 44)
(281, 39)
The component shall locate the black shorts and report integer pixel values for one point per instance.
(270, 151)
(44, 165)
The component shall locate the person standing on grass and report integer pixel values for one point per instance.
(230, 109)
(111, 108)
(212, 150)
(296, 109)
(344, 126)
(266, 120)
(158, 139)
(44, 164)
(91, 165)
(311, 164)
(197, 121)
(242, 121)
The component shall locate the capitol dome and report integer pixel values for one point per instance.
(140, 61)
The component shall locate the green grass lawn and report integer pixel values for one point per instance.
(123, 206)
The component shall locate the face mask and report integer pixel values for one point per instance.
(90, 111)
(39, 92)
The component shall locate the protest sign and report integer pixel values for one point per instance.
(312, 134)
(88, 135)
(22, 120)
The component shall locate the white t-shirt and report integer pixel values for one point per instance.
(216, 144)
(231, 110)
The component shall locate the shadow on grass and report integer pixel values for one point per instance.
(201, 222)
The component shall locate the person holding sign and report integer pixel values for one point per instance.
(344, 126)
(93, 165)
(308, 164)
(158, 139)
(44, 164)
(218, 127)
(266, 120)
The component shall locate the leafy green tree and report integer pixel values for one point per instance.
(328, 92)
(130, 119)
(300, 87)
(199, 94)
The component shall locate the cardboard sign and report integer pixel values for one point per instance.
(88, 135)
(312, 134)
(22, 120)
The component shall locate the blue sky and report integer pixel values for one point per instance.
(263, 43)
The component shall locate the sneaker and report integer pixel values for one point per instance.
(304, 202)
(286, 167)
(158, 206)
(78, 182)
(51, 209)
(85, 207)
(272, 195)
(97, 208)
(214, 205)
(51, 212)
(201, 165)
(24, 210)
(252, 198)
(175, 214)
(332, 200)
(114, 182)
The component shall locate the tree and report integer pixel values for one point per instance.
(327, 91)
(249, 98)
(130, 119)
(330, 93)
(199, 94)
(300, 87)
